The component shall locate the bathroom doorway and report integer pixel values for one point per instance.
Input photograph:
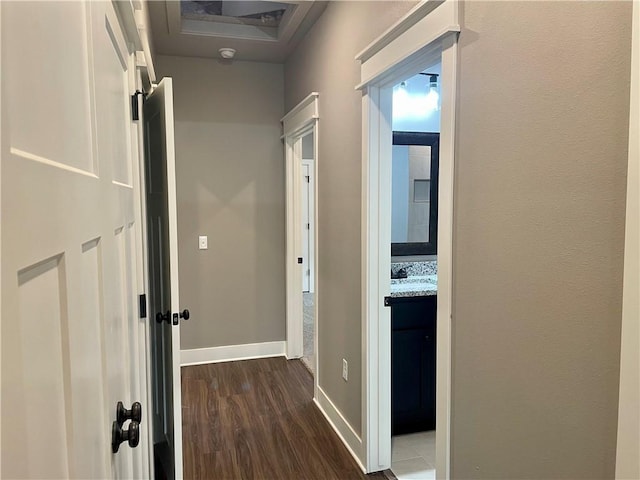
(427, 35)
(414, 285)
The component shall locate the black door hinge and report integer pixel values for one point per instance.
(387, 301)
(143, 305)
(135, 107)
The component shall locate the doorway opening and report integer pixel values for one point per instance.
(426, 36)
(413, 280)
(300, 128)
(308, 248)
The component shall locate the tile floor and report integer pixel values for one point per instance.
(413, 456)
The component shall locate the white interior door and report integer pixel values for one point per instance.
(69, 345)
(162, 228)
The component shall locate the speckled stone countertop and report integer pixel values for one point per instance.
(422, 279)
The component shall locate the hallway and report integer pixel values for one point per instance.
(255, 419)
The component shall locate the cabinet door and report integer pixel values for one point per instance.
(413, 353)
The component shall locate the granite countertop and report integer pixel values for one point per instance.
(414, 286)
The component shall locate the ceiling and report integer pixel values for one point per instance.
(258, 30)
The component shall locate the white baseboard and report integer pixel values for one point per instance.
(347, 434)
(229, 353)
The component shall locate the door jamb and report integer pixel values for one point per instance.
(300, 121)
(312, 221)
(404, 50)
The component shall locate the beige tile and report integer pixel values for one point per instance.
(413, 469)
(402, 449)
(425, 444)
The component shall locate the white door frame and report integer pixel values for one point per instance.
(300, 121)
(628, 446)
(135, 25)
(426, 34)
(312, 221)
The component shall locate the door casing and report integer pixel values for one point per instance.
(299, 122)
(427, 33)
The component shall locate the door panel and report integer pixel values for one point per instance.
(61, 54)
(69, 269)
(163, 278)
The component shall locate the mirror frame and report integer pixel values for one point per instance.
(432, 140)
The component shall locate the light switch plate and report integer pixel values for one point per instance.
(203, 242)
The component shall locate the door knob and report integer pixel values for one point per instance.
(135, 414)
(118, 435)
(183, 314)
(163, 317)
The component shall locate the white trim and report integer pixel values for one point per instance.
(126, 13)
(143, 22)
(446, 182)
(231, 353)
(421, 9)
(141, 206)
(316, 319)
(343, 429)
(427, 23)
(419, 39)
(301, 115)
(300, 121)
(376, 264)
(293, 248)
(628, 445)
(312, 222)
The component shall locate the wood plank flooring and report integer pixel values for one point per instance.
(255, 419)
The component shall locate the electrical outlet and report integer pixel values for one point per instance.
(203, 242)
(345, 370)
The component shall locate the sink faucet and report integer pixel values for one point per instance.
(400, 273)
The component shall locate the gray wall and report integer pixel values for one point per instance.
(230, 186)
(538, 230)
(324, 62)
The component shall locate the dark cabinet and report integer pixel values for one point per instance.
(413, 364)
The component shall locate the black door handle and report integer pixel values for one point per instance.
(183, 314)
(118, 435)
(164, 317)
(135, 414)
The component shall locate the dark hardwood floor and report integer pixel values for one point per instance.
(255, 419)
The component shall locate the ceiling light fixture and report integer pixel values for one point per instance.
(227, 53)
(416, 105)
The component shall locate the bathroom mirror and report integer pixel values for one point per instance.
(414, 193)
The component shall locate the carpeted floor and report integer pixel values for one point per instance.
(307, 330)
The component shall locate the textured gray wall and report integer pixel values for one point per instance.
(539, 231)
(324, 62)
(539, 216)
(230, 186)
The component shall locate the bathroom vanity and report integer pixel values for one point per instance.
(413, 352)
